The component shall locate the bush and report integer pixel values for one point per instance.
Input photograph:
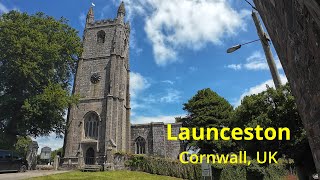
(161, 166)
(175, 168)
(274, 171)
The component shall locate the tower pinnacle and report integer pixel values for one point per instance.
(90, 16)
(121, 10)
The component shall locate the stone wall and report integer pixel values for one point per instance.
(144, 131)
(159, 139)
(155, 135)
(294, 28)
(173, 148)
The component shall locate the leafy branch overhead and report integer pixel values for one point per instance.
(38, 57)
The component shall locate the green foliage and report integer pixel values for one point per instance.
(38, 56)
(47, 107)
(169, 167)
(207, 109)
(55, 153)
(22, 145)
(163, 166)
(271, 108)
(233, 172)
(274, 171)
(4, 142)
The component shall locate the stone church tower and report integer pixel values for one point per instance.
(100, 124)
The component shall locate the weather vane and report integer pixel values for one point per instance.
(92, 4)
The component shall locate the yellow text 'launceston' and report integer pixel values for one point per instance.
(225, 133)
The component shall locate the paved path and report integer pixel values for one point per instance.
(28, 174)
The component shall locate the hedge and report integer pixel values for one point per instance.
(168, 167)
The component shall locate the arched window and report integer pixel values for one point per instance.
(140, 145)
(101, 36)
(91, 126)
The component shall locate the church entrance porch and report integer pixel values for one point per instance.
(89, 158)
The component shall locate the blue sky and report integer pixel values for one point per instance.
(177, 47)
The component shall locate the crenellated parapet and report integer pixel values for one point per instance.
(119, 20)
(107, 22)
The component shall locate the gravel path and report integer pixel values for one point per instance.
(28, 174)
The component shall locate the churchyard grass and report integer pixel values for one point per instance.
(108, 175)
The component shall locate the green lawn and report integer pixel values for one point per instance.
(111, 175)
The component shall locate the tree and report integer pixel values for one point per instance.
(207, 109)
(274, 108)
(55, 153)
(38, 56)
(22, 145)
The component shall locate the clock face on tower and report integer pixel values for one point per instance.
(95, 78)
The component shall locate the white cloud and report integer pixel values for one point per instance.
(168, 81)
(259, 88)
(150, 99)
(3, 8)
(234, 66)
(82, 19)
(138, 83)
(172, 96)
(149, 119)
(175, 24)
(256, 61)
(192, 69)
(141, 100)
(137, 105)
(133, 42)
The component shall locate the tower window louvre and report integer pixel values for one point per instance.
(101, 35)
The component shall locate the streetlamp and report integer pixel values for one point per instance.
(263, 37)
(236, 47)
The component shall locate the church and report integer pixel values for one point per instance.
(99, 125)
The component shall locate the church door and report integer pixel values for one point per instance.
(90, 156)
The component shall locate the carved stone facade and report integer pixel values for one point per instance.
(294, 27)
(99, 125)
